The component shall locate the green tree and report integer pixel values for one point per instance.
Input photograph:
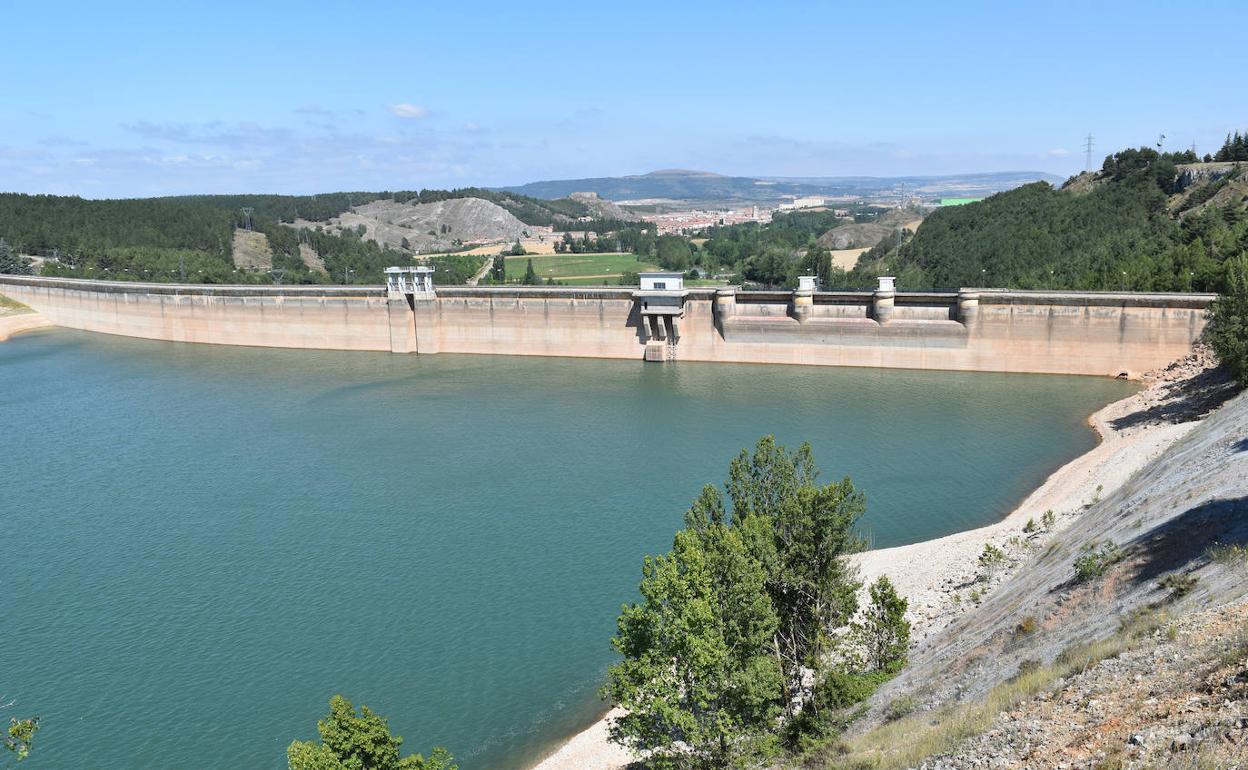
(884, 632)
(818, 262)
(674, 252)
(699, 677)
(530, 275)
(10, 262)
(351, 741)
(801, 533)
(20, 735)
(1227, 332)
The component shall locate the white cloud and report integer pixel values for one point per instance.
(1058, 152)
(410, 111)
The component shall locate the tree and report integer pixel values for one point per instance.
(1227, 331)
(20, 735)
(11, 262)
(818, 262)
(530, 275)
(363, 741)
(499, 271)
(698, 679)
(674, 252)
(884, 632)
(801, 533)
(775, 266)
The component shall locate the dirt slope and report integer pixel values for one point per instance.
(867, 234)
(429, 226)
(602, 208)
(1176, 699)
(1170, 519)
(311, 258)
(251, 250)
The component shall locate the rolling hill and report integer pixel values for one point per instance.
(679, 184)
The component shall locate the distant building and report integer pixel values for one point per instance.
(805, 202)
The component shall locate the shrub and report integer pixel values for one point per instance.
(1228, 554)
(826, 715)
(901, 707)
(992, 558)
(1095, 561)
(1027, 666)
(1227, 331)
(1030, 526)
(1048, 519)
(1027, 626)
(842, 689)
(1179, 585)
(884, 632)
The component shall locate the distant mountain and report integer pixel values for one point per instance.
(679, 184)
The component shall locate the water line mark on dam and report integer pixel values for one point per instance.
(972, 329)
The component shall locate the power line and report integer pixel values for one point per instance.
(1087, 149)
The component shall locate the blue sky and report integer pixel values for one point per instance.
(129, 98)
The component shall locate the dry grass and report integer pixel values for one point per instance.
(11, 307)
(908, 741)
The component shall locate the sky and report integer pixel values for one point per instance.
(126, 99)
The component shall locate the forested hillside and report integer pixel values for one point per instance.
(189, 238)
(1146, 221)
(1116, 230)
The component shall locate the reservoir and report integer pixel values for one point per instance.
(202, 544)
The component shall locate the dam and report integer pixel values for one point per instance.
(970, 329)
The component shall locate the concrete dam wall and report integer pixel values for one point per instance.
(972, 329)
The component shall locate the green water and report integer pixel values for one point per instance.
(202, 544)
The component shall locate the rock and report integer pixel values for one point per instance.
(1136, 740)
(1181, 742)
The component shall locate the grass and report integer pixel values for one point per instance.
(908, 741)
(11, 307)
(1094, 562)
(578, 268)
(1228, 554)
(1179, 585)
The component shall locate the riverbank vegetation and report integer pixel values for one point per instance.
(743, 645)
(1227, 332)
(20, 736)
(359, 741)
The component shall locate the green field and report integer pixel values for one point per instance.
(578, 269)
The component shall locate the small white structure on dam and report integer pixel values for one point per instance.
(662, 302)
(416, 280)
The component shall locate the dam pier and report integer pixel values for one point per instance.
(971, 329)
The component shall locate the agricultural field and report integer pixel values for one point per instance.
(578, 269)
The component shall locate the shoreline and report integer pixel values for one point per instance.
(939, 577)
(15, 323)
